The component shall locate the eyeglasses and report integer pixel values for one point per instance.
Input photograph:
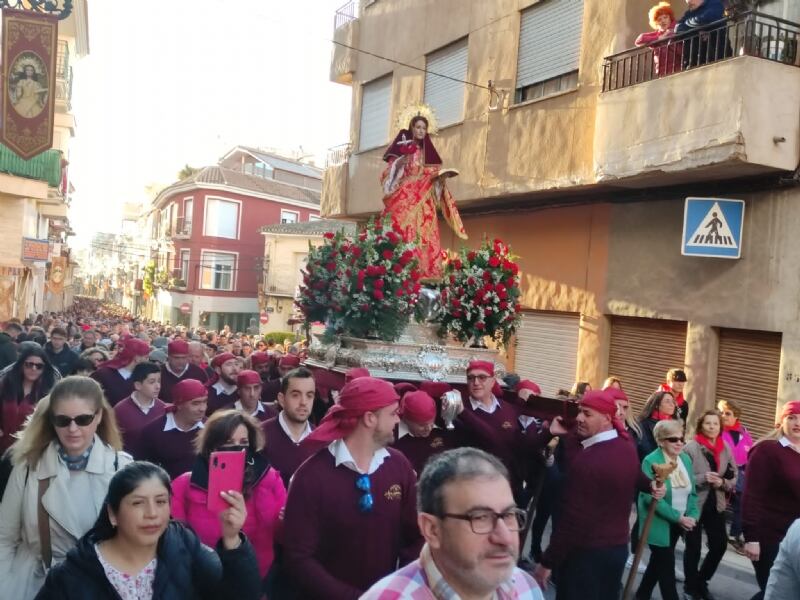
(33, 365)
(674, 440)
(62, 421)
(366, 501)
(727, 413)
(485, 521)
(480, 378)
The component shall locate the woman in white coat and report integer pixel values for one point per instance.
(63, 461)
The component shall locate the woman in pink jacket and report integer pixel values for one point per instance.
(666, 52)
(739, 441)
(264, 492)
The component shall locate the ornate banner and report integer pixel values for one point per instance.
(58, 270)
(29, 74)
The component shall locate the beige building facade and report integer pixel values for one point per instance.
(581, 154)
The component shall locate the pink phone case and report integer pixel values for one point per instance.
(225, 472)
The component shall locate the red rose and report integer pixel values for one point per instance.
(502, 295)
(377, 294)
(510, 282)
(406, 257)
(361, 274)
(415, 275)
(380, 270)
(480, 326)
(471, 255)
(455, 302)
(329, 235)
(360, 285)
(503, 305)
(487, 275)
(470, 280)
(457, 264)
(387, 255)
(489, 287)
(417, 288)
(517, 307)
(393, 238)
(452, 279)
(494, 261)
(372, 271)
(362, 236)
(500, 287)
(364, 307)
(378, 283)
(355, 251)
(399, 293)
(331, 266)
(487, 312)
(397, 268)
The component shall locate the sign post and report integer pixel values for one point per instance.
(712, 227)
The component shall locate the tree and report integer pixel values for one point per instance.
(186, 171)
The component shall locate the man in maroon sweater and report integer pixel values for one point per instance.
(169, 440)
(590, 544)
(273, 387)
(248, 385)
(285, 432)
(114, 375)
(141, 407)
(351, 511)
(177, 368)
(417, 437)
(222, 391)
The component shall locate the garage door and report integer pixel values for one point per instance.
(747, 373)
(641, 353)
(547, 350)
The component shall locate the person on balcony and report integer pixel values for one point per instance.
(705, 36)
(666, 52)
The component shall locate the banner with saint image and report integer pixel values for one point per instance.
(29, 42)
(58, 270)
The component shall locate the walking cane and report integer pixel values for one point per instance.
(660, 472)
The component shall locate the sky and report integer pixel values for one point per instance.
(169, 83)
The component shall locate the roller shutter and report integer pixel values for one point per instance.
(641, 353)
(446, 96)
(549, 40)
(547, 350)
(747, 373)
(375, 106)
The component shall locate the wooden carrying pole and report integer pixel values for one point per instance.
(660, 472)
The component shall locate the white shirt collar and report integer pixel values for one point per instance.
(171, 424)
(784, 441)
(225, 389)
(476, 405)
(145, 408)
(526, 421)
(342, 455)
(259, 408)
(125, 372)
(603, 436)
(285, 426)
(186, 368)
(402, 430)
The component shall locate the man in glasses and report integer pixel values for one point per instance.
(471, 526)
(351, 512)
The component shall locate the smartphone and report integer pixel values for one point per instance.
(225, 472)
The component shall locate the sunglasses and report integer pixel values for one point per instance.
(674, 440)
(480, 378)
(33, 365)
(62, 421)
(366, 501)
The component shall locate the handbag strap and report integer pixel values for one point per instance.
(44, 525)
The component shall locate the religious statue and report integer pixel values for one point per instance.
(414, 188)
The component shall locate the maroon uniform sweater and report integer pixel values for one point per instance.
(282, 452)
(419, 449)
(332, 550)
(168, 380)
(270, 390)
(771, 500)
(131, 421)
(115, 386)
(596, 501)
(173, 450)
(218, 401)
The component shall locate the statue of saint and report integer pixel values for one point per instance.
(413, 189)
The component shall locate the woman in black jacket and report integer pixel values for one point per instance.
(135, 550)
(660, 406)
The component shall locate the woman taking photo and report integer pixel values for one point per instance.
(714, 476)
(771, 499)
(63, 462)
(675, 514)
(134, 551)
(30, 379)
(660, 406)
(739, 441)
(264, 492)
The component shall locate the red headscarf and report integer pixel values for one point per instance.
(602, 402)
(248, 377)
(790, 408)
(527, 384)
(356, 398)
(435, 389)
(418, 407)
(355, 373)
(404, 387)
(259, 358)
(481, 365)
(130, 349)
(221, 359)
(290, 361)
(185, 391)
(178, 347)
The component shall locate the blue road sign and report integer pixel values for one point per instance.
(712, 227)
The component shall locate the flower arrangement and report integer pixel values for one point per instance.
(481, 294)
(364, 287)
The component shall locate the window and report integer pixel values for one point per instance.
(549, 48)
(216, 270)
(289, 216)
(222, 219)
(185, 267)
(314, 217)
(188, 211)
(446, 96)
(376, 99)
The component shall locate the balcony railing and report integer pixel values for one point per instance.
(44, 167)
(345, 13)
(749, 34)
(338, 155)
(183, 226)
(63, 74)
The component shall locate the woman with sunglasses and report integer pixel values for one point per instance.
(30, 379)
(63, 461)
(135, 552)
(264, 493)
(676, 512)
(715, 477)
(740, 442)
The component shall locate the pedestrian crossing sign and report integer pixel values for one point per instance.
(712, 227)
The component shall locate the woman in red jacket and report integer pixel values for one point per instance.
(264, 492)
(666, 52)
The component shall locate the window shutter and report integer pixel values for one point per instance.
(375, 106)
(547, 350)
(549, 40)
(446, 96)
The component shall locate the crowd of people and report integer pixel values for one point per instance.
(106, 484)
